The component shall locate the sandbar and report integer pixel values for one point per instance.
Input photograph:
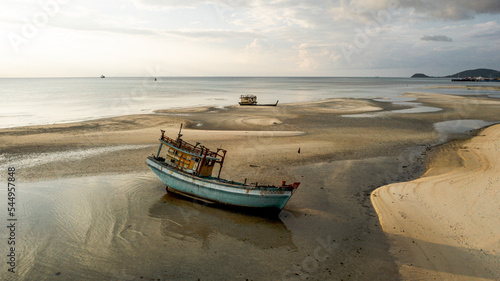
(446, 224)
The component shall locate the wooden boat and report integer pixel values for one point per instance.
(252, 100)
(187, 169)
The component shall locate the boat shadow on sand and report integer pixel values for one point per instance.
(184, 218)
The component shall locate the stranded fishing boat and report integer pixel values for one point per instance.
(252, 100)
(187, 169)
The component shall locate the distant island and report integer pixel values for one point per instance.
(479, 74)
(420, 75)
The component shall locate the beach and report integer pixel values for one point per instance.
(85, 185)
(445, 225)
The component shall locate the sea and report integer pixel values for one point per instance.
(43, 101)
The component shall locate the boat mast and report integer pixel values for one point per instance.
(179, 135)
(221, 163)
(161, 143)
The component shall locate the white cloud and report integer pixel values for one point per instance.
(486, 30)
(204, 34)
(257, 46)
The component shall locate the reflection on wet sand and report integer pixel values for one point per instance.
(124, 227)
(184, 220)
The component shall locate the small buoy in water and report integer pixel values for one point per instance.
(299, 150)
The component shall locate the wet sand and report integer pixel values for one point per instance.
(486, 87)
(126, 226)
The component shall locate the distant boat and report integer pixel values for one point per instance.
(252, 100)
(186, 169)
(102, 76)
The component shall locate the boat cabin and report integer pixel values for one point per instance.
(248, 100)
(196, 159)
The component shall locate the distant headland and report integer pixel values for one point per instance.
(467, 75)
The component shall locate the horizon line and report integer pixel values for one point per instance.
(201, 76)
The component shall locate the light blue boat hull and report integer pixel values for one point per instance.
(220, 192)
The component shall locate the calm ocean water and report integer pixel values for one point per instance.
(37, 101)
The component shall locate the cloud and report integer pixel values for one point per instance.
(224, 4)
(159, 4)
(437, 38)
(437, 9)
(453, 9)
(280, 12)
(486, 30)
(285, 36)
(257, 46)
(211, 34)
(89, 20)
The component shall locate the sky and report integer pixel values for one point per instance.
(395, 38)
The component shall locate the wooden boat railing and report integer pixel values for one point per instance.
(205, 154)
(194, 149)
